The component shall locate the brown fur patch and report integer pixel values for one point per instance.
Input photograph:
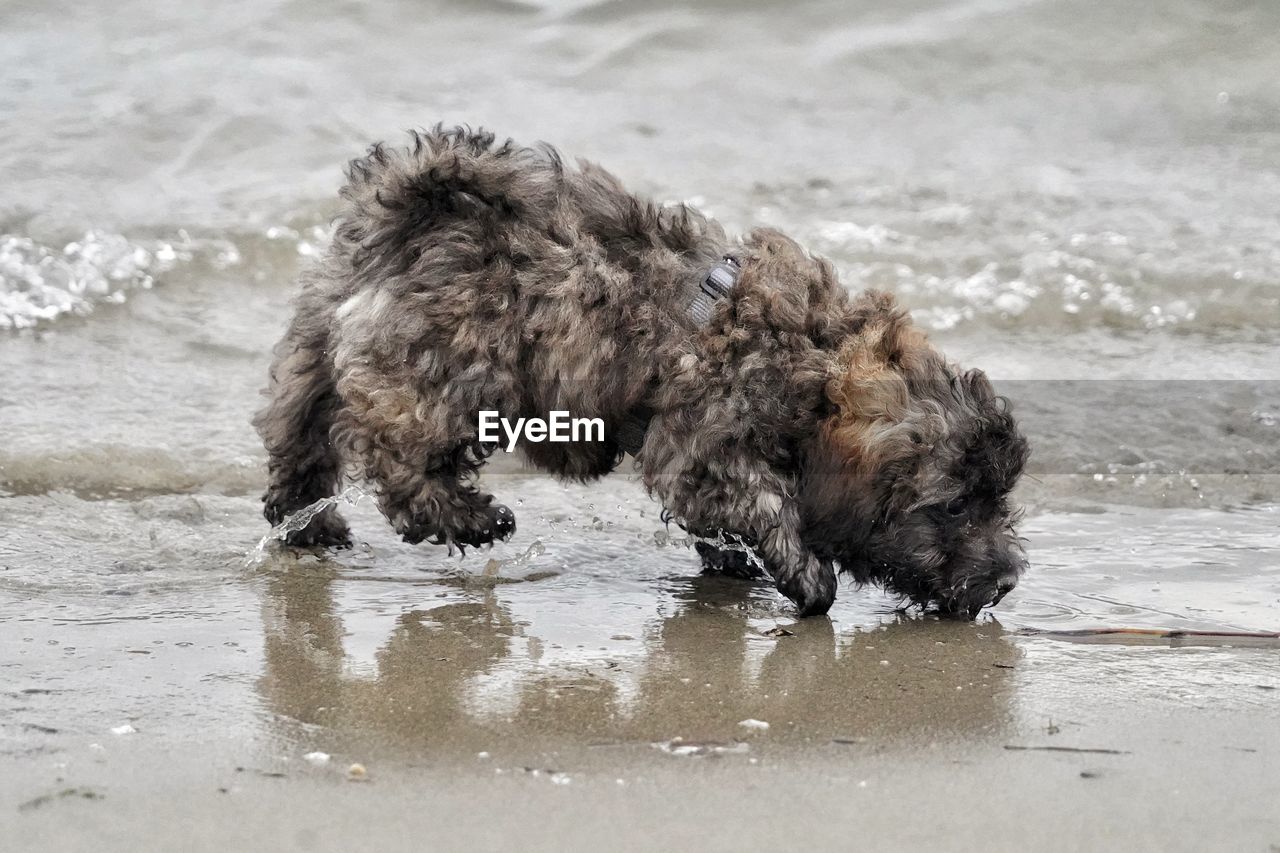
(870, 389)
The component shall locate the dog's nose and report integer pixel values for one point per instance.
(1003, 587)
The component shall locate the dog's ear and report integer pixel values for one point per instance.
(997, 451)
(978, 387)
(869, 389)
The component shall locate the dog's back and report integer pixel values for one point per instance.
(468, 274)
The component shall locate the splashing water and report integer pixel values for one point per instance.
(723, 541)
(350, 496)
(493, 567)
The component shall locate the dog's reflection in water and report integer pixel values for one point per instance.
(464, 677)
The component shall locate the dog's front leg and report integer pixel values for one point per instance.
(746, 496)
(798, 574)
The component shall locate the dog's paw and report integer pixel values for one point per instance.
(504, 522)
(326, 530)
(482, 526)
(813, 589)
(499, 524)
(726, 561)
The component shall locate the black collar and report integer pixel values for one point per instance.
(716, 285)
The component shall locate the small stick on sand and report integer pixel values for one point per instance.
(1161, 633)
(1157, 635)
(1014, 746)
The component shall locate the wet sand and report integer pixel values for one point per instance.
(570, 688)
(1182, 787)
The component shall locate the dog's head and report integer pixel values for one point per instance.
(907, 482)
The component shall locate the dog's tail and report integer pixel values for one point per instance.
(397, 198)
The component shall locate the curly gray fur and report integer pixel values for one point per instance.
(468, 274)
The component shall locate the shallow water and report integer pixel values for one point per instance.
(1079, 199)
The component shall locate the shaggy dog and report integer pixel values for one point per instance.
(776, 411)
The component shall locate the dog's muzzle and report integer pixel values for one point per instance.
(1002, 589)
(962, 606)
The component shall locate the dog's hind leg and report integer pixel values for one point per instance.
(417, 444)
(304, 465)
(433, 499)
